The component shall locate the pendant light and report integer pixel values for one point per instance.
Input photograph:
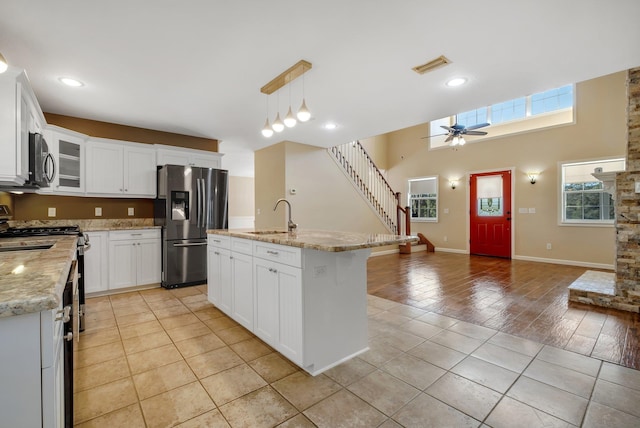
(3, 64)
(290, 119)
(303, 113)
(267, 131)
(278, 126)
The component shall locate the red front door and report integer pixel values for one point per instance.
(490, 212)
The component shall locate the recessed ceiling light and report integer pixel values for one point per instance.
(330, 126)
(71, 82)
(457, 81)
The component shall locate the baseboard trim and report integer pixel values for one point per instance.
(565, 262)
(451, 250)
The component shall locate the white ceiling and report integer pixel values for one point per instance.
(196, 66)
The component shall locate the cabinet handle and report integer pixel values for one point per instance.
(136, 234)
(272, 270)
(121, 190)
(64, 314)
(230, 257)
(216, 253)
(126, 190)
(274, 253)
(216, 240)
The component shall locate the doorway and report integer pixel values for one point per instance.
(490, 214)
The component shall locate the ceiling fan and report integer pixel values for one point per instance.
(456, 132)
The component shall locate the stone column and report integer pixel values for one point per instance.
(628, 207)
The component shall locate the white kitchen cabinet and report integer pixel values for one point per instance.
(170, 155)
(242, 286)
(134, 258)
(219, 278)
(278, 303)
(96, 263)
(20, 114)
(32, 386)
(121, 169)
(68, 150)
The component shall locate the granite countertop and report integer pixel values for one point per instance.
(33, 280)
(92, 225)
(323, 240)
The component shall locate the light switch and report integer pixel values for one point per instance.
(130, 211)
(532, 210)
(98, 212)
(51, 212)
(523, 210)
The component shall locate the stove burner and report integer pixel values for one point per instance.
(40, 231)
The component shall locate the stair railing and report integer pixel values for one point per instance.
(369, 180)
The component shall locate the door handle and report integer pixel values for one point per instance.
(195, 244)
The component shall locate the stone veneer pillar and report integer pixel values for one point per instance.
(628, 208)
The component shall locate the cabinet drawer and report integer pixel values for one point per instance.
(291, 256)
(244, 246)
(134, 234)
(220, 241)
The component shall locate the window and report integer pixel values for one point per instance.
(517, 110)
(509, 110)
(584, 198)
(423, 198)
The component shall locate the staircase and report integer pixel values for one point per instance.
(356, 163)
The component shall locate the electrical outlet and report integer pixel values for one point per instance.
(446, 210)
(130, 211)
(51, 212)
(548, 245)
(258, 211)
(98, 212)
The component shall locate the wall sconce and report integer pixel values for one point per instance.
(533, 177)
(453, 183)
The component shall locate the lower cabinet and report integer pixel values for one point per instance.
(278, 307)
(230, 280)
(32, 370)
(96, 263)
(134, 258)
(123, 258)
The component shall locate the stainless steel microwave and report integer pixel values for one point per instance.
(42, 165)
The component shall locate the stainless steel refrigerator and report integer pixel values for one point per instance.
(190, 201)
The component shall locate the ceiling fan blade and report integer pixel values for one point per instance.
(478, 125)
(449, 138)
(448, 128)
(436, 135)
(475, 133)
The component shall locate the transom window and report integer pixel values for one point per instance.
(555, 100)
(423, 198)
(584, 198)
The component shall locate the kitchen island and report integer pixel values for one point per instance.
(303, 293)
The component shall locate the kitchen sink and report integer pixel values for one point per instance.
(25, 247)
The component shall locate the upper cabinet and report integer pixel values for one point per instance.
(20, 114)
(121, 169)
(169, 155)
(68, 150)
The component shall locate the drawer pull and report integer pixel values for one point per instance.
(216, 240)
(273, 253)
(216, 253)
(272, 270)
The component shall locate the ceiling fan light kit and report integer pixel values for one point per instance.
(4, 65)
(285, 78)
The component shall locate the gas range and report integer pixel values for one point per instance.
(40, 231)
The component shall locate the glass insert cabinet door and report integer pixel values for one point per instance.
(490, 214)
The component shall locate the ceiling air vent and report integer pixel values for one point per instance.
(431, 65)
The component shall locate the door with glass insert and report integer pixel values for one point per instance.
(490, 214)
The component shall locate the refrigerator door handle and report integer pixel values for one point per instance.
(195, 244)
(198, 202)
(203, 215)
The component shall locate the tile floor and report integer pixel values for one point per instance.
(159, 358)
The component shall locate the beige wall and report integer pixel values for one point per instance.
(376, 147)
(599, 131)
(241, 196)
(324, 197)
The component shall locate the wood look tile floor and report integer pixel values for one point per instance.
(439, 356)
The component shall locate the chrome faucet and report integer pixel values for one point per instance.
(291, 226)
